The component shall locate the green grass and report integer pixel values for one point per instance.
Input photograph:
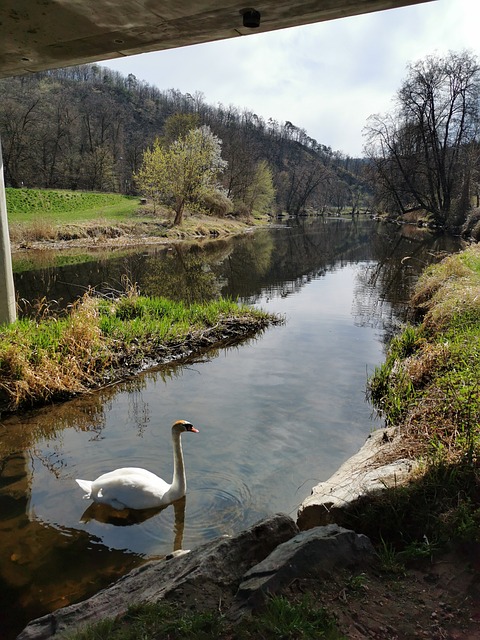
(54, 357)
(62, 207)
(436, 365)
(283, 618)
(279, 619)
(22, 263)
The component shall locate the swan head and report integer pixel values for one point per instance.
(180, 426)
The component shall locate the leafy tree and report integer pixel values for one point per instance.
(152, 174)
(185, 172)
(422, 154)
(260, 191)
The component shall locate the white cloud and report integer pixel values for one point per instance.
(326, 78)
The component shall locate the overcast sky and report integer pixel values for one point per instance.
(326, 78)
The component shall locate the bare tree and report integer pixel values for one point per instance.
(421, 153)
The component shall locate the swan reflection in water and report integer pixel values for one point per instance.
(106, 514)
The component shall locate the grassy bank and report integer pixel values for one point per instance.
(429, 386)
(101, 341)
(65, 218)
(66, 206)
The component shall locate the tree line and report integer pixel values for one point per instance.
(91, 128)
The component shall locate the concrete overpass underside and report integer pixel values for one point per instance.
(44, 34)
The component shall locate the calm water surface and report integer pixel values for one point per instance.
(276, 415)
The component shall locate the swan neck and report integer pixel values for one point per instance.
(179, 481)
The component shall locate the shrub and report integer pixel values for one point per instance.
(217, 203)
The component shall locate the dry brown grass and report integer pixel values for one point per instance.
(100, 232)
(35, 231)
(36, 367)
(449, 289)
(424, 364)
(99, 342)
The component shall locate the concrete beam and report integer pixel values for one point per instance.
(44, 34)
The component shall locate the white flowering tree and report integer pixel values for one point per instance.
(184, 173)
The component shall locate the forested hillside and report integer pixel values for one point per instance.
(87, 128)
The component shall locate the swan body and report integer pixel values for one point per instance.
(136, 488)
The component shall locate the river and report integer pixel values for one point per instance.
(276, 415)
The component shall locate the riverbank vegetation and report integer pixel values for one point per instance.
(46, 217)
(429, 387)
(89, 128)
(100, 341)
(280, 618)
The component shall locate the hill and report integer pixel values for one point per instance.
(86, 128)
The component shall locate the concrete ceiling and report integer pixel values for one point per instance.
(44, 34)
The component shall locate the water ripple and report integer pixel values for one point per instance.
(220, 501)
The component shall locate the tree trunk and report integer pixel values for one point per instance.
(179, 213)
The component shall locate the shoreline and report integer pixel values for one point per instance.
(103, 342)
(93, 235)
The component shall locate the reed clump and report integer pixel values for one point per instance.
(99, 341)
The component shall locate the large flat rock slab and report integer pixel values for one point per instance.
(363, 474)
(316, 553)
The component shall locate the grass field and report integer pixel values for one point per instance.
(62, 207)
(87, 218)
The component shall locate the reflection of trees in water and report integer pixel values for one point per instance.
(180, 271)
(183, 274)
(369, 307)
(385, 286)
(22, 431)
(296, 254)
(252, 265)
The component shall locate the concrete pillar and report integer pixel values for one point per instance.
(8, 309)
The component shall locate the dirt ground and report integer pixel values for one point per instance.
(438, 599)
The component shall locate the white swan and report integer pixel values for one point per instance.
(134, 488)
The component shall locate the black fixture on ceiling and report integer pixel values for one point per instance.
(251, 18)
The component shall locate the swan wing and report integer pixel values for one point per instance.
(130, 488)
(126, 472)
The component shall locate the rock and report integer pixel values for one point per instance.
(362, 474)
(214, 569)
(311, 554)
